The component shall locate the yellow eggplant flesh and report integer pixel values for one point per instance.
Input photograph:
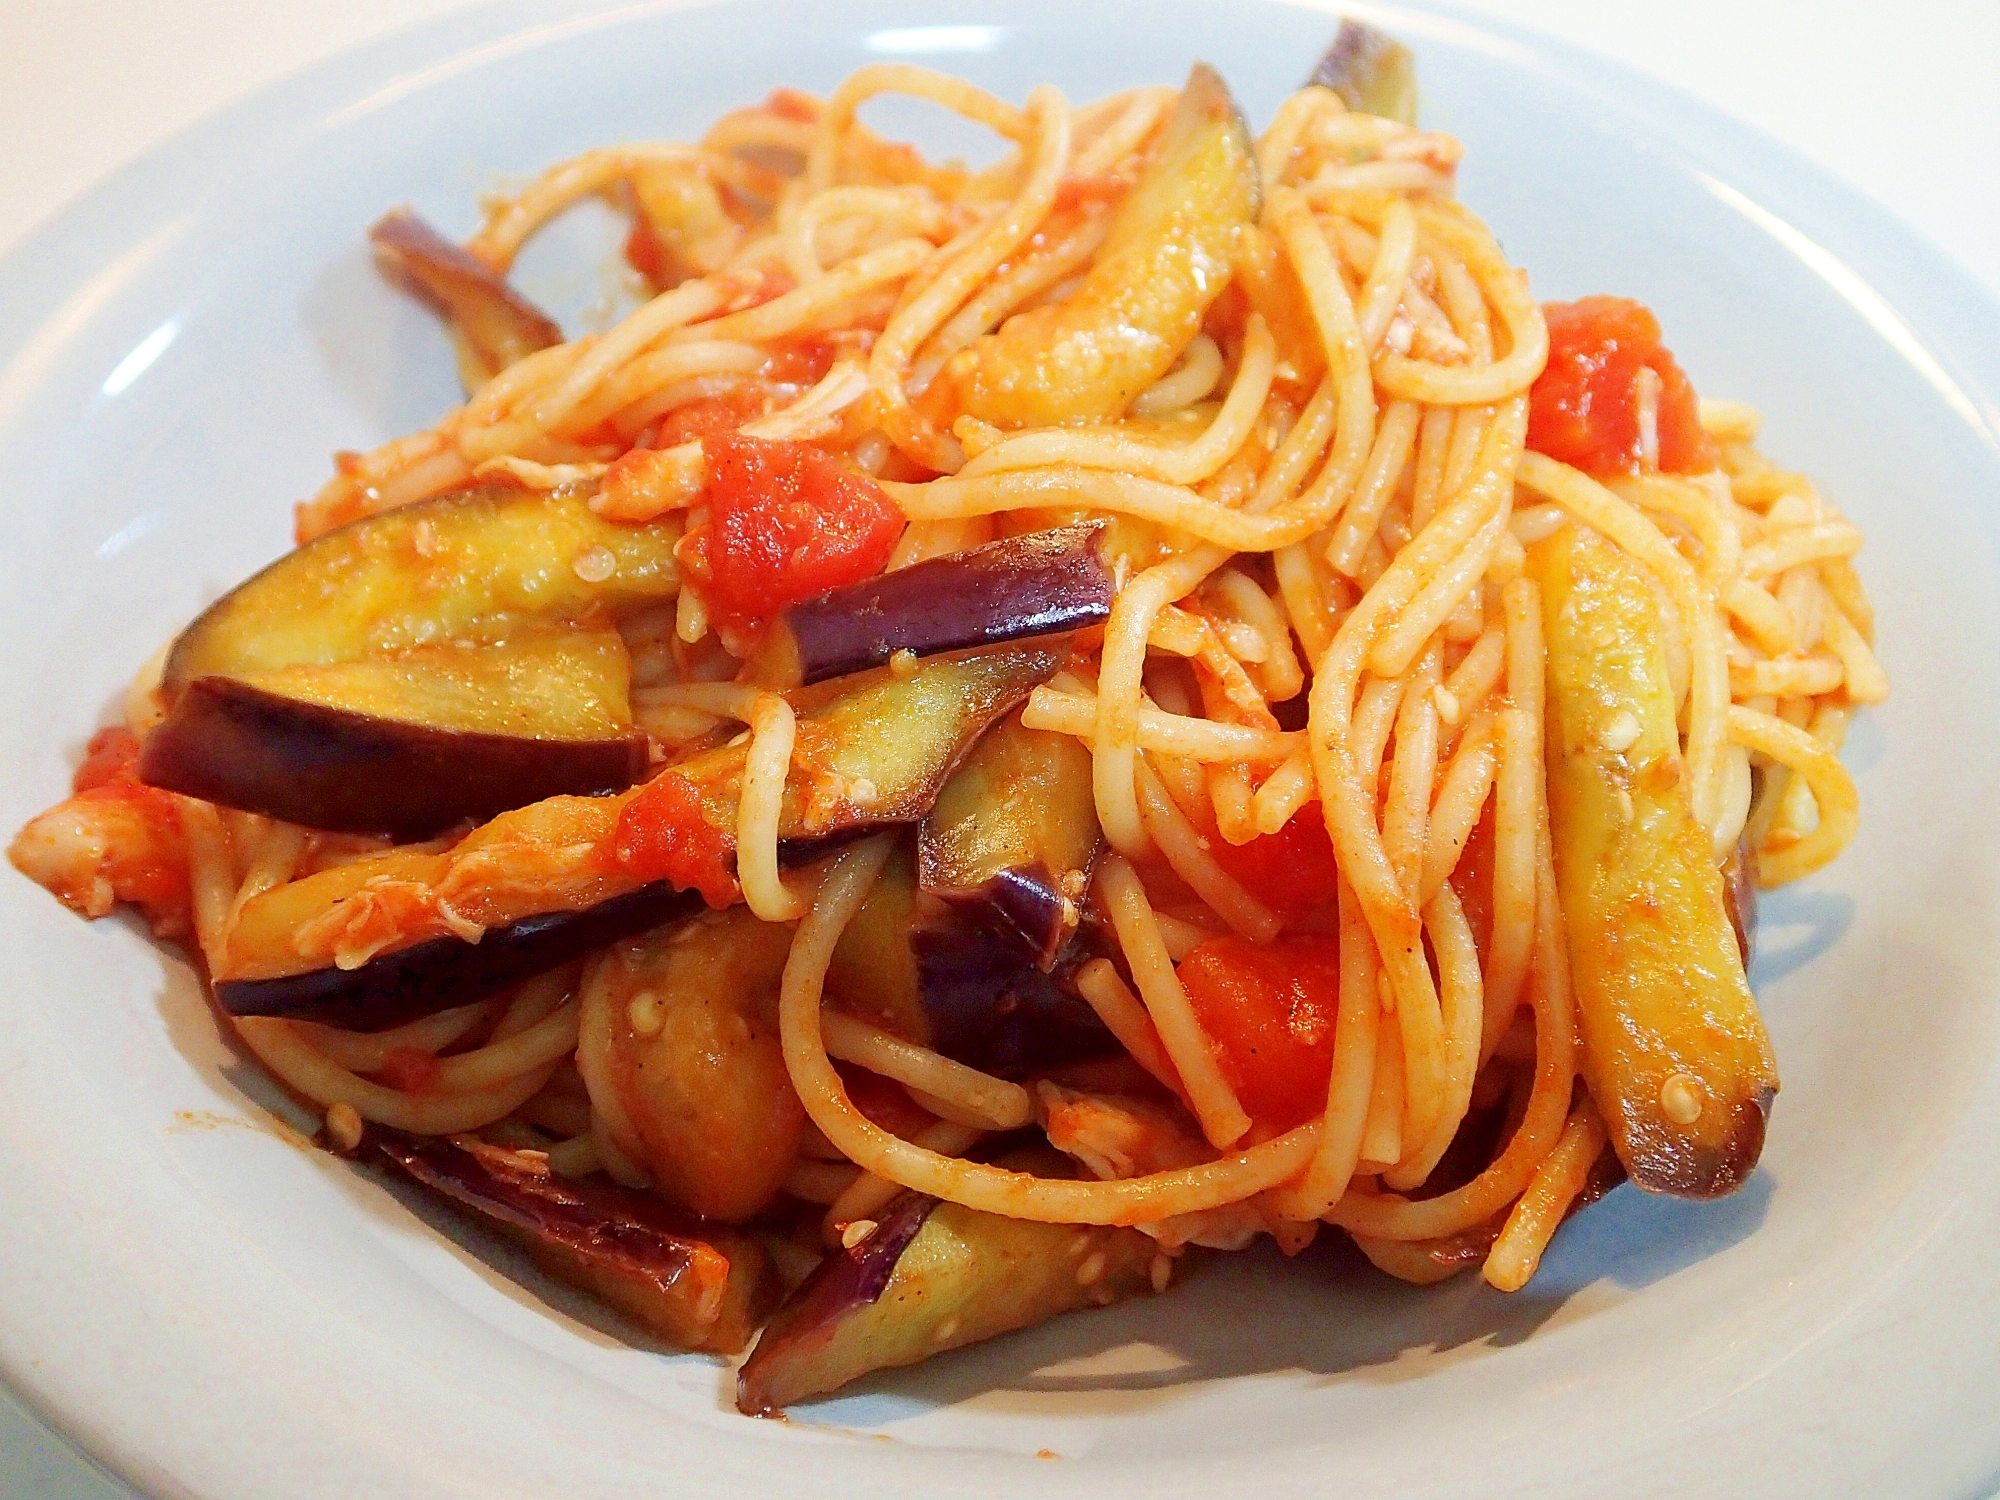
(688, 1015)
(1674, 1051)
(1172, 247)
(933, 1276)
(471, 567)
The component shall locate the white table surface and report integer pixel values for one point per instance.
(1901, 107)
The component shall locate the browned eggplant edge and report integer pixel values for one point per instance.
(612, 1231)
(442, 272)
(844, 1280)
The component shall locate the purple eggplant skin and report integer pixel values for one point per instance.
(695, 1284)
(918, 967)
(1040, 583)
(903, 735)
(1371, 71)
(498, 324)
(324, 767)
(447, 971)
(1012, 837)
(933, 1276)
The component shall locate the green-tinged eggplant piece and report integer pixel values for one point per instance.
(400, 745)
(1013, 835)
(371, 942)
(933, 1276)
(471, 630)
(1042, 583)
(681, 1025)
(1174, 243)
(1371, 71)
(913, 965)
(496, 324)
(696, 1284)
(1674, 1050)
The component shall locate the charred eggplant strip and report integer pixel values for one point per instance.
(932, 1276)
(1673, 1048)
(1371, 71)
(447, 971)
(915, 966)
(696, 1284)
(524, 883)
(498, 324)
(1042, 583)
(1013, 835)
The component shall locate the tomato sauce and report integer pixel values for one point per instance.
(1584, 409)
(662, 835)
(1290, 871)
(1269, 1010)
(786, 521)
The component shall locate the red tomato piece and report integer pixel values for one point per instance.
(1291, 870)
(1269, 1010)
(661, 835)
(711, 416)
(786, 521)
(1584, 409)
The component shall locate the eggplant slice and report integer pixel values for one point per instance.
(1371, 71)
(495, 324)
(918, 967)
(873, 756)
(696, 1284)
(435, 663)
(1041, 583)
(932, 1276)
(1013, 837)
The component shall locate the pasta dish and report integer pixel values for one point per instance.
(1009, 728)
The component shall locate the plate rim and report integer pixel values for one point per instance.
(1942, 310)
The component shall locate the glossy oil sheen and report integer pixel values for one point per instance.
(175, 1294)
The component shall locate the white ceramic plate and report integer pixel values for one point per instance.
(215, 1313)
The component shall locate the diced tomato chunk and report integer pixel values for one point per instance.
(711, 416)
(1269, 1010)
(1584, 409)
(785, 522)
(662, 835)
(1291, 870)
